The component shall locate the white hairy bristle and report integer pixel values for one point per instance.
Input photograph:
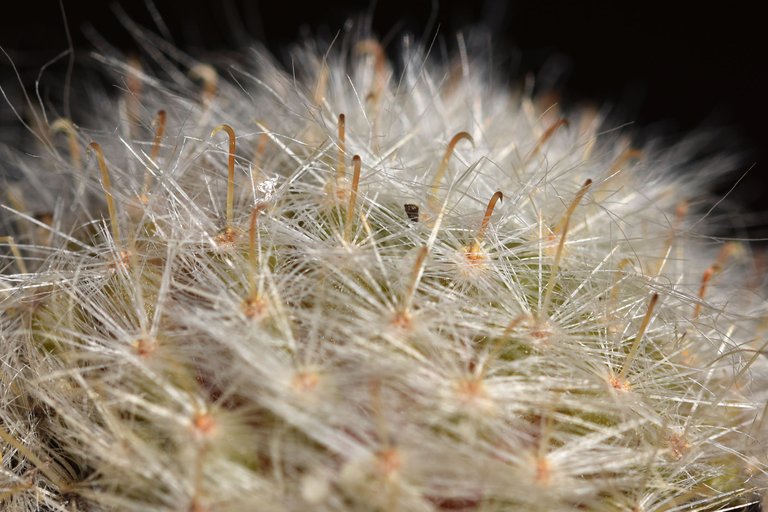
(451, 297)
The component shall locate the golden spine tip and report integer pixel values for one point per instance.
(135, 85)
(321, 84)
(373, 47)
(450, 148)
(497, 196)
(155, 151)
(342, 134)
(159, 132)
(357, 164)
(639, 338)
(133, 78)
(625, 156)
(258, 155)
(545, 137)
(231, 170)
(65, 126)
(210, 79)
(416, 273)
(106, 184)
(681, 210)
(722, 258)
(16, 253)
(558, 255)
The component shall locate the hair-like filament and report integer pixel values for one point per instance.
(230, 171)
(635, 348)
(107, 186)
(44, 468)
(558, 255)
(444, 165)
(357, 163)
(65, 126)
(474, 252)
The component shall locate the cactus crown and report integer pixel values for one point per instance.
(353, 288)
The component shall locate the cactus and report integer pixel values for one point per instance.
(359, 285)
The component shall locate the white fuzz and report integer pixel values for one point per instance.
(358, 320)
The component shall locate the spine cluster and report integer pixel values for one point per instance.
(366, 286)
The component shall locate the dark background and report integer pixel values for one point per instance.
(667, 67)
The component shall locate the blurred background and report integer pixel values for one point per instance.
(666, 67)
